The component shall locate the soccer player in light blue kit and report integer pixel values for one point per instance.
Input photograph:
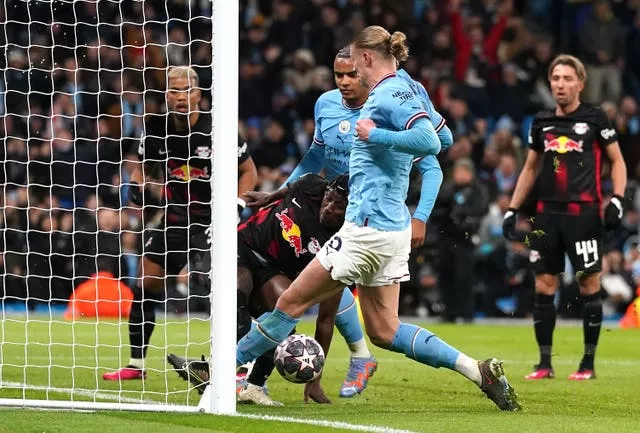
(372, 248)
(336, 113)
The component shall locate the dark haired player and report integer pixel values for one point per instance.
(274, 246)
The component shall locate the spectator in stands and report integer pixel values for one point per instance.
(602, 48)
(461, 206)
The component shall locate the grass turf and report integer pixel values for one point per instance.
(402, 394)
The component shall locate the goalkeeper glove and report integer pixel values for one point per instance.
(613, 213)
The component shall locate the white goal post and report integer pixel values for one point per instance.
(77, 80)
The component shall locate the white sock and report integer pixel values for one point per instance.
(468, 367)
(359, 349)
(137, 363)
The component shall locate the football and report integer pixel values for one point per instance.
(299, 358)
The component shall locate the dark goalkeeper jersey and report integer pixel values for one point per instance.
(288, 233)
(571, 147)
(186, 158)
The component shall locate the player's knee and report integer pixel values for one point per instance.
(589, 284)
(546, 284)
(380, 336)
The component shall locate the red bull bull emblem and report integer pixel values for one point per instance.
(187, 173)
(562, 144)
(291, 232)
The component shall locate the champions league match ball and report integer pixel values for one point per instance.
(299, 359)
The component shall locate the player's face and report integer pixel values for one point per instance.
(347, 80)
(182, 97)
(332, 209)
(362, 62)
(565, 85)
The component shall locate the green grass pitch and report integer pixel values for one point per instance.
(403, 395)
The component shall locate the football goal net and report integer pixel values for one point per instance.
(113, 226)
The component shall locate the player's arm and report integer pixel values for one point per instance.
(312, 162)
(247, 181)
(137, 194)
(523, 187)
(526, 179)
(419, 139)
(439, 123)
(247, 174)
(614, 211)
(431, 172)
(618, 169)
(324, 333)
(307, 184)
(608, 137)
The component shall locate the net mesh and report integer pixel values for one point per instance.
(77, 80)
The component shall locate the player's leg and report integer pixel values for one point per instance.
(380, 312)
(271, 285)
(313, 285)
(141, 320)
(584, 240)
(547, 261)
(362, 364)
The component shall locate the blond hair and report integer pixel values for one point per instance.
(378, 39)
(571, 61)
(183, 72)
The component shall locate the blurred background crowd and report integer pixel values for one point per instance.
(72, 114)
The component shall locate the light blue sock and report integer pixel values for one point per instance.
(423, 346)
(265, 336)
(347, 320)
(254, 322)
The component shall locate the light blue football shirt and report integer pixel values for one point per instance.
(378, 173)
(436, 118)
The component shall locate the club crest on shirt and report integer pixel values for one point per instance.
(203, 151)
(314, 246)
(580, 128)
(344, 126)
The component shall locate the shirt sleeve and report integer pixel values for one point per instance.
(606, 133)
(317, 132)
(148, 148)
(243, 151)
(401, 107)
(534, 139)
(431, 180)
(312, 162)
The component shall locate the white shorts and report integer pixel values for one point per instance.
(366, 256)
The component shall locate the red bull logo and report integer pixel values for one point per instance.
(186, 173)
(291, 232)
(562, 144)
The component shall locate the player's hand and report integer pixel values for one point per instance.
(364, 127)
(613, 213)
(418, 231)
(509, 225)
(257, 198)
(313, 390)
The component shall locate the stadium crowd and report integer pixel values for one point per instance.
(72, 119)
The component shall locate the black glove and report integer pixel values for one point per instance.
(509, 225)
(136, 194)
(613, 213)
